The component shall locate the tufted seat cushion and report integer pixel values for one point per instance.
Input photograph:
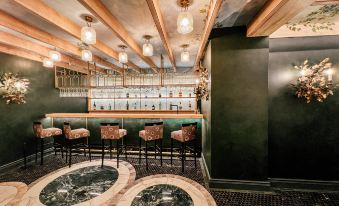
(177, 135)
(48, 132)
(78, 133)
(110, 132)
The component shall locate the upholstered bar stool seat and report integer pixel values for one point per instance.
(152, 132)
(74, 134)
(112, 131)
(41, 133)
(186, 134)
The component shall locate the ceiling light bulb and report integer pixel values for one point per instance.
(123, 58)
(147, 49)
(88, 35)
(86, 55)
(185, 56)
(47, 63)
(185, 23)
(54, 55)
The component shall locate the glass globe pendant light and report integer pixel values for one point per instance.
(185, 18)
(47, 63)
(123, 58)
(185, 55)
(88, 34)
(147, 48)
(54, 55)
(86, 55)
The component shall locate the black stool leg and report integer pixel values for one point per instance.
(195, 153)
(102, 152)
(89, 150)
(110, 149)
(160, 152)
(70, 154)
(42, 151)
(139, 150)
(54, 144)
(146, 156)
(155, 149)
(171, 150)
(67, 145)
(125, 147)
(118, 148)
(85, 143)
(36, 150)
(182, 156)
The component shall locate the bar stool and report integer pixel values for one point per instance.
(41, 133)
(72, 136)
(185, 135)
(111, 131)
(152, 132)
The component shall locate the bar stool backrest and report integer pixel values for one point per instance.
(37, 128)
(154, 131)
(189, 131)
(67, 129)
(109, 131)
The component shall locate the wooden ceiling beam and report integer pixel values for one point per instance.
(274, 15)
(211, 16)
(17, 25)
(39, 8)
(325, 2)
(154, 8)
(12, 40)
(99, 10)
(35, 57)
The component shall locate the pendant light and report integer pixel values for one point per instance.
(185, 18)
(185, 55)
(47, 63)
(123, 58)
(88, 34)
(147, 48)
(54, 55)
(86, 55)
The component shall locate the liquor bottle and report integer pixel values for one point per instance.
(170, 106)
(189, 105)
(180, 106)
(180, 93)
(94, 106)
(159, 95)
(171, 94)
(159, 105)
(190, 95)
(127, 106)
(109, 107)
(127, 95)
(135, 106)
(102, 107)
(153, 107)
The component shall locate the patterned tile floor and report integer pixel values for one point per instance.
(222, 197)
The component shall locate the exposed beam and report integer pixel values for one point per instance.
(99, 10)
(325, 2)
(39, 8)
(154, 7)
(274, 15)
(12, 40)
(35, 57)
(17, 25)
(211, 16)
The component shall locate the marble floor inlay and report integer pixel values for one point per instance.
(11, 192)
(84, 184)
(79, 185)
(163, 194)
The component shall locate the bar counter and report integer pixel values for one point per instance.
(133, 122)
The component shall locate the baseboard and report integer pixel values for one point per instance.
(301, 184)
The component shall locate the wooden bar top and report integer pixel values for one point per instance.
(122, 115)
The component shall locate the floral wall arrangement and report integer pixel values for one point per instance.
(201, 90)
(14, 88)
(315, 81)
(321, 19)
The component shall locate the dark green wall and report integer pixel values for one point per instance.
(239, 106)
(303, 138)
(16, 120)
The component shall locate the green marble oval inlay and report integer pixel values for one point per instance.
(163, 195)
(79, 185)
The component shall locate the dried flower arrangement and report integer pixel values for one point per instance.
(201, 90)
(14, 87)
(313, 82)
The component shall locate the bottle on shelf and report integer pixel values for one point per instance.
(102, 107)
(127, 106)
(110, 107)
(94, 106)
(189, 105)
(153, 107)
(135, 106)
(190, 95)
(127, 95)
(180, 93)
(159, 95)
(159, 105)
(180, 106)
(171, 94)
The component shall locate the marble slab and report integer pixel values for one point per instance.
(11, 193)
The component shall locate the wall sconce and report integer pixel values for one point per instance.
(314, 81)
(14, 87)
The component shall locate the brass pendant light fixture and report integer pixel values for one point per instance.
(185, 18)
